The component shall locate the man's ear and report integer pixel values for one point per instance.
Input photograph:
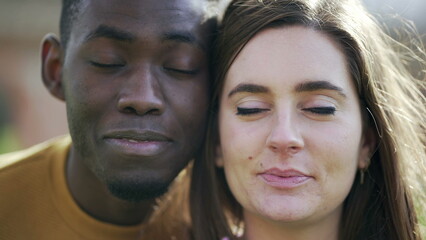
(219, 157)
(51, 66)
(368, 147)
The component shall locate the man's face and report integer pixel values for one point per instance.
(135, 77)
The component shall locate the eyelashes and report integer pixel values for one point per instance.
(181, 71)
(323, 111)
(111, 66)
(250, 111)
(106, 65)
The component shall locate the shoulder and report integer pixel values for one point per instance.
(34, 155)
(27, 173)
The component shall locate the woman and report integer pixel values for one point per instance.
(318, 128)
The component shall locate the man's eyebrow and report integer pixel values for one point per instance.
(183, 37)
(318, 85)
(104, 31)
(249, 88)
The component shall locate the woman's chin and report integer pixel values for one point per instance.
(285, 214)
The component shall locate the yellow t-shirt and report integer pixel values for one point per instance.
(35, 202)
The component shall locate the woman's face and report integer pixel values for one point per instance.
(291, 134)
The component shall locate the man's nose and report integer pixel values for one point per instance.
(141, 94)
(285, 137)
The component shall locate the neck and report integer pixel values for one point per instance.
(93, 197)
(257, 227)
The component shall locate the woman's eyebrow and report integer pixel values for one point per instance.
(311, 86)
(250, 88)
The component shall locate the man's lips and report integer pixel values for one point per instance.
(138, 136)
(138, 143)
(284, 179)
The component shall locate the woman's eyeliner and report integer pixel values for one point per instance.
(315, 110)
(250, 111)
(321, 110)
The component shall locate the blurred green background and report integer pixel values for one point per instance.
(28, 114)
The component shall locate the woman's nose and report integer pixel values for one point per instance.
(285, 136)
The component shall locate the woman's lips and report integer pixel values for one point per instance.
(284, 179)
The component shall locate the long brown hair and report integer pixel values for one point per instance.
(386, 205)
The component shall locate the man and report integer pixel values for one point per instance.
(134, 76)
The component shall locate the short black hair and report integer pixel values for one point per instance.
(70, 10)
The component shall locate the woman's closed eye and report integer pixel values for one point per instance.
(321, 110)
(250, 111)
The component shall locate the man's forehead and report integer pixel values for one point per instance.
(184, 14)
(122, 35)
(143, 20)
(147, 20)
(195, 7)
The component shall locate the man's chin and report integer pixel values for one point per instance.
(137, 191)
